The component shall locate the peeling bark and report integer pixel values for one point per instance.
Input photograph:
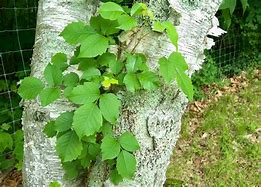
(153, 117)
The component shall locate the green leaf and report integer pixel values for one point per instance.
(131, 81)
(5, 126)
(49, 95)
(90, 139)
(6, 164)
(230, 4)
(111, 11)
(93, 46)
(67, 91)
(131, 63)
(30, 87)
(166, 69)
(171, 32)
(71, 169)
(136, 62)
(184, 82)
(6, 141)
(108, 82)
(138, 8)
(87, 93)
(179, 60)
(104, 26)
(129, 142)
(19, 165)
(84, 152)
(112, 40)
(126, 164)
(53, 75)
(116, 1)
(70, 79)
(94, 150)
(74, 60)
(87, 63)
(110, 107)
(18, 136)
(110, 148)
(148, 13)
(126, 22)
(91, 72)
(64, 121)
(244, 5)
(174, 68)
(49, 129)
(60, 60)
(106, 58)
(158, 27)
(18, 151)
(116, 66)
(87, 120)
(227, 18)
(68, 146)
(148, 80)
(74, 32)
(107, 129)
(55, 184)
(179, 66)
(115, 177)
(85, 162)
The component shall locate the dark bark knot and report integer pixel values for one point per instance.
(40, 116)
(191, 4)
(160, 9)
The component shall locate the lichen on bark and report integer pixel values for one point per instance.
(191, 4)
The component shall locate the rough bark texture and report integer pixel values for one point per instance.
(153, 117)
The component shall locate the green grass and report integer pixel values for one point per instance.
(222, 148)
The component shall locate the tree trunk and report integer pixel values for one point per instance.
(153, 117)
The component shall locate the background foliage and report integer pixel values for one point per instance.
(17, 28)
(234, 52)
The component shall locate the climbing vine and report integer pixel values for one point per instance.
(86, 133)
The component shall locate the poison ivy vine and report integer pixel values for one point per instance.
(86, 133)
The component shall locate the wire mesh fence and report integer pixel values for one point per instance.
(17, 31)
(232, 53)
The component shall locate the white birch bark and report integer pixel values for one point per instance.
(153, 117)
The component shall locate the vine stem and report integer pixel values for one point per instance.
(139, 40)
